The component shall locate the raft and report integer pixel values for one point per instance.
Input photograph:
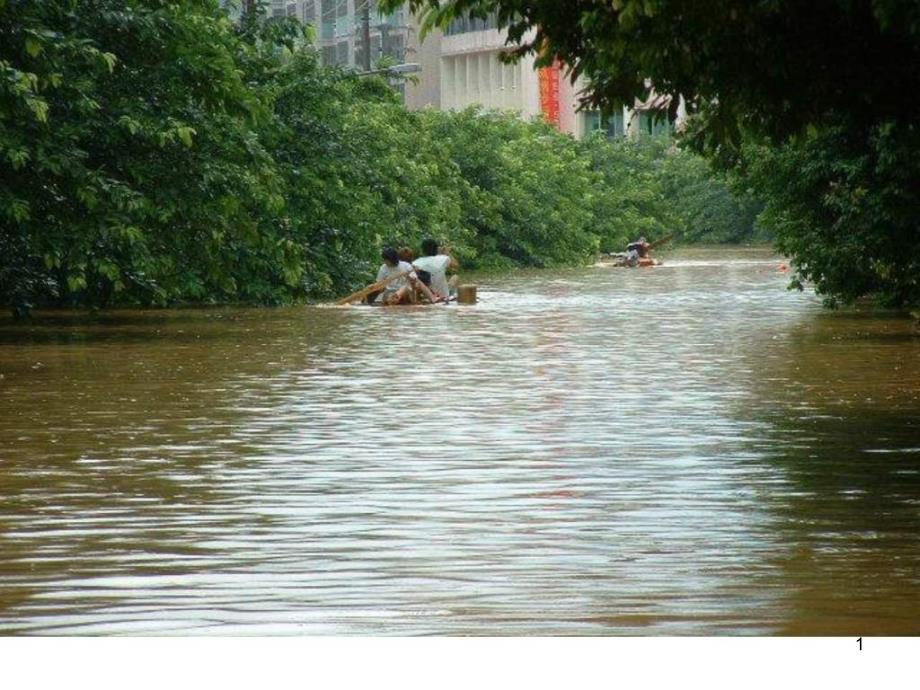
(466, 294)
(377, 305)
(619, 261)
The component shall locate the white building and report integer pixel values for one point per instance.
(461, 67)
(471, 72)
(339, 29)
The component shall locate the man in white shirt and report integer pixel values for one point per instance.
(436, 265)
(402, 289)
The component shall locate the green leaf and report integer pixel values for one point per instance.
(17, 158)
(110, 61)
(108, 270)
(39, 108)
(129, 123)
(185, 135)
(33, 47)
(76, 283)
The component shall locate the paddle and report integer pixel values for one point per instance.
(373, 287)
(656, 243)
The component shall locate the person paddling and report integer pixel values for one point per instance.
(637, 250)
(402, 290)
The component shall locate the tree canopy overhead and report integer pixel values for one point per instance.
(812, 102)
(772, 65)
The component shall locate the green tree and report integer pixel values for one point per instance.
(653, 188)
(846, 210)
(712, 207)
(529, 193)
(153, 152)
(43, 167)
(359, 172)
(630, 200)
(128, 161)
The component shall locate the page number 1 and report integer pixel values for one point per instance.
(859, 640)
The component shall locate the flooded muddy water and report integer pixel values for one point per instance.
(688, 449)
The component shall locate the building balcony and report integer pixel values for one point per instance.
(489, 40)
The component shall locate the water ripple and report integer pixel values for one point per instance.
(690, 449)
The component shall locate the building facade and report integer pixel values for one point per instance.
(339, 29)
(461, 67)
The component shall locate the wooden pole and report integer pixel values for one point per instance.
(657, 243)
(373, 287)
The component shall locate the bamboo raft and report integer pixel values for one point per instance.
(466, 294)
(619, 261)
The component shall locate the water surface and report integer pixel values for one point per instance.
(690, 449)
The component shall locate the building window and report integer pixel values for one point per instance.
(465, 25)
(327, 29)
(654, 123)
(394, 46)
(614, 124)
(592, 121)
(396, 19)
(341, 53)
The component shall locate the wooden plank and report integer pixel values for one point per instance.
(373, 287)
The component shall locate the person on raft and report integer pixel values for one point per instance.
(637, 250)
(403, 289)
(436, 265)
(407, 255)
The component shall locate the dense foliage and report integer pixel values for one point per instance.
(129, 161)
(774, 66)
(650, 187)
(844, 203)
(151, 152)
(822, 93)
(529, 191)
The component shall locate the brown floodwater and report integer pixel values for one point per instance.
(690, 449)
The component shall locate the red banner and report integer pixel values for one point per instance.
(549, 93)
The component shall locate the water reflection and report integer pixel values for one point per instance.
(840, 399)
(597, 452)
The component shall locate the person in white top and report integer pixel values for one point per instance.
(402, 289)
(436, 265)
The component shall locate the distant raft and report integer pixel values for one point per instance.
(621, 261)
